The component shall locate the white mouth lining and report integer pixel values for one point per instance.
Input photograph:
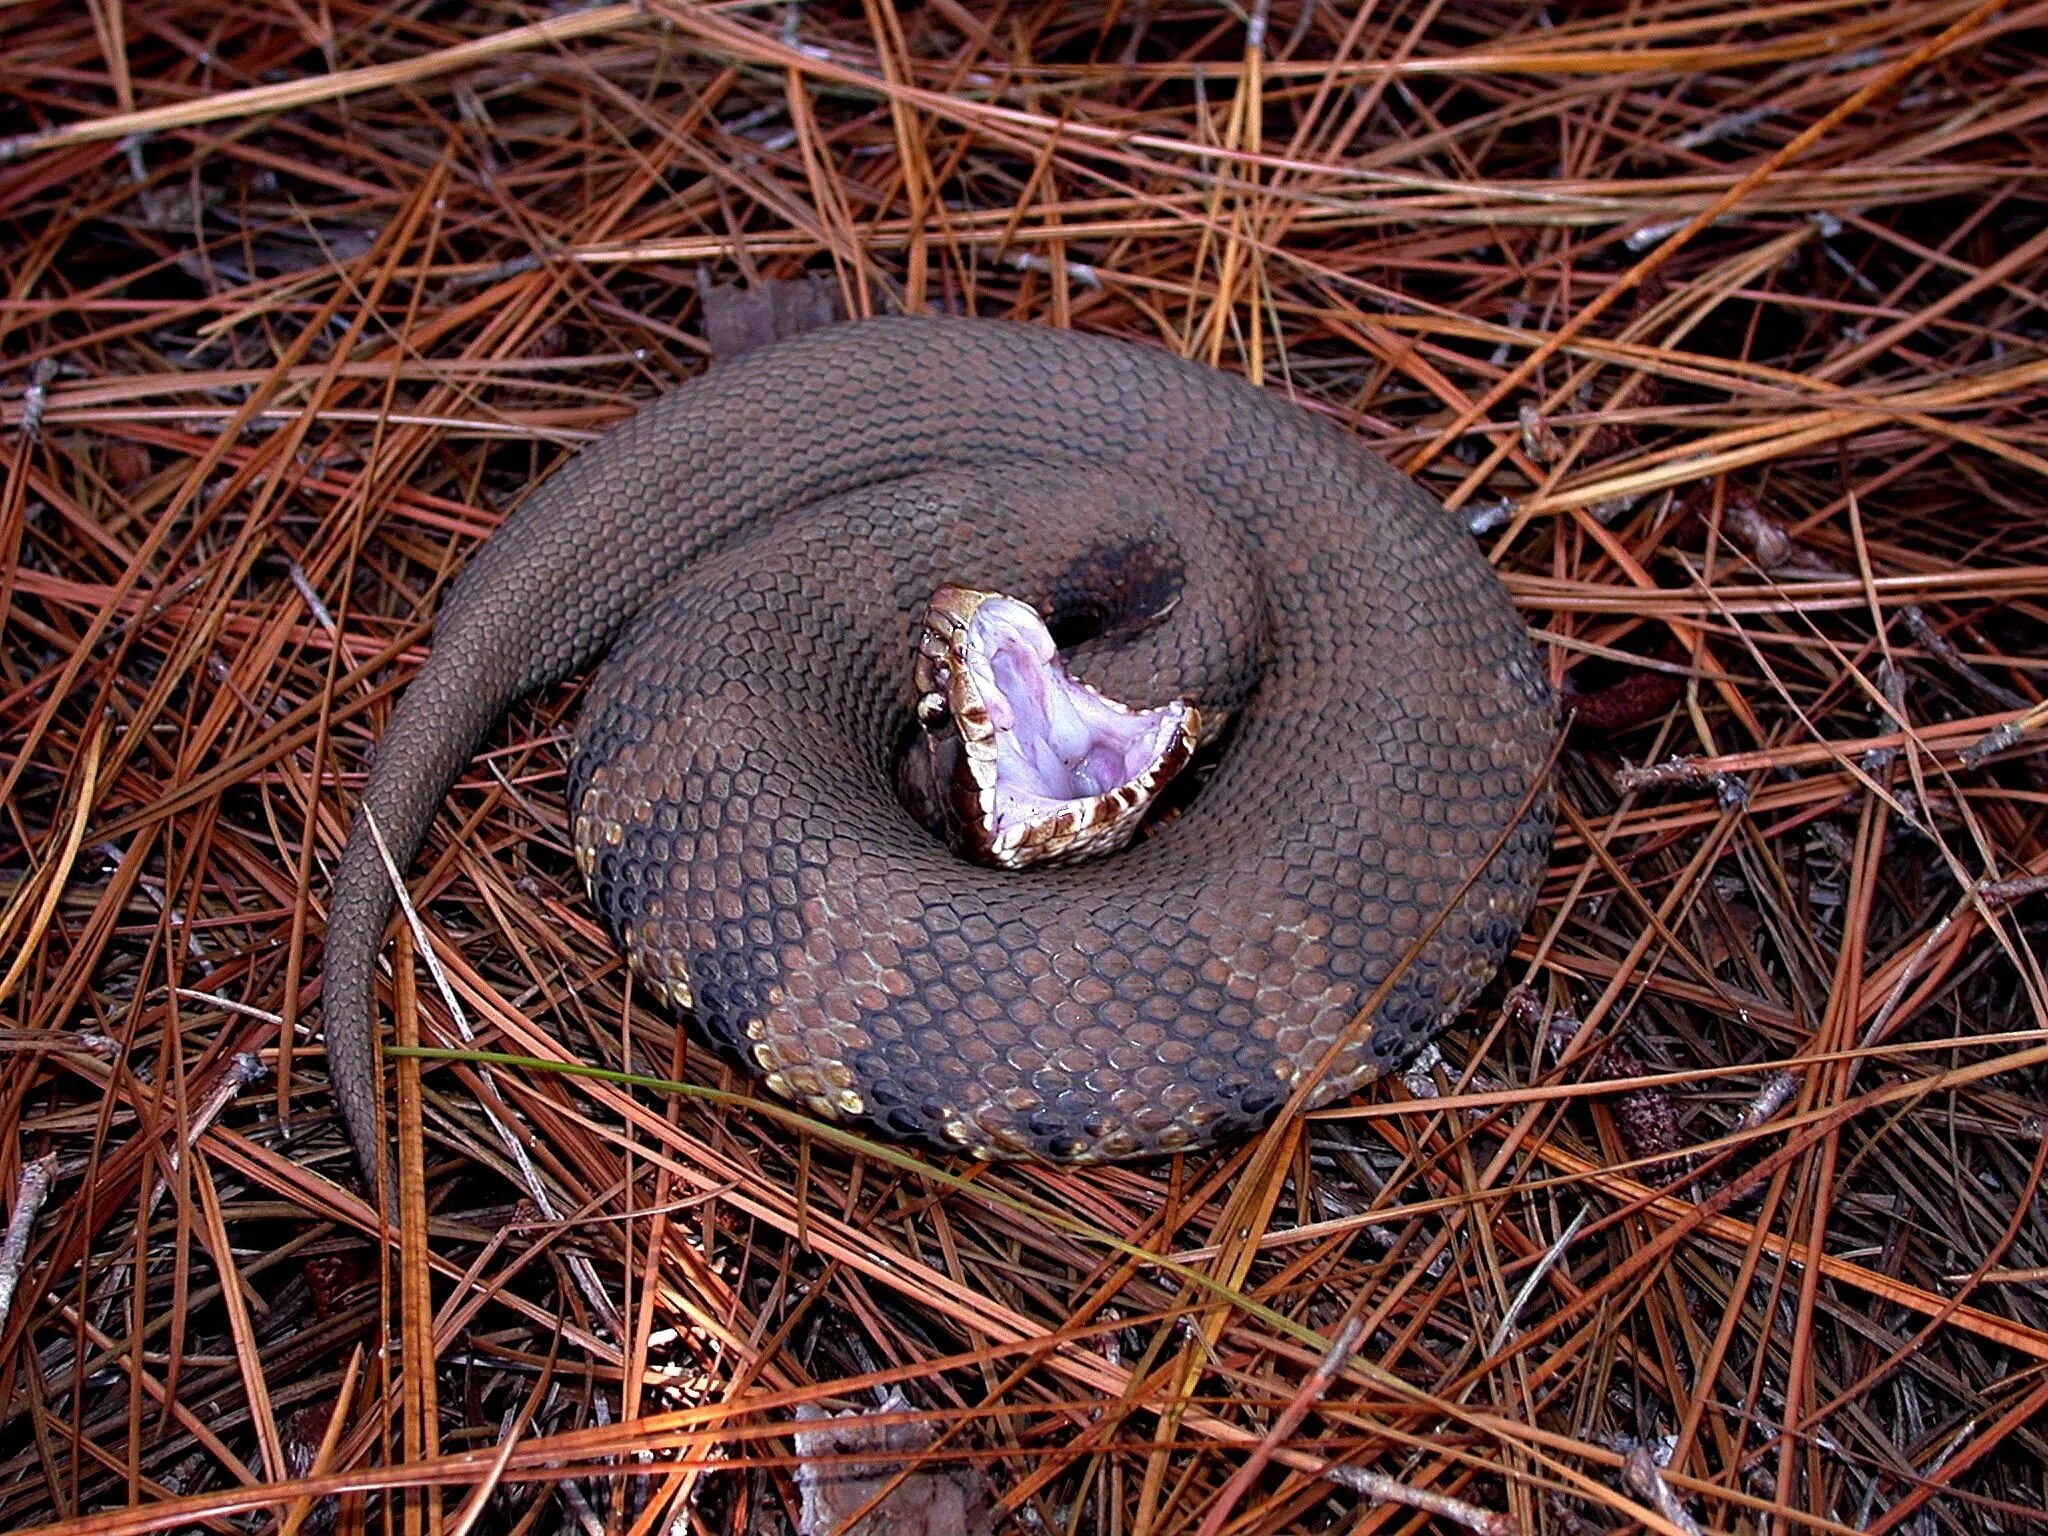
(1054, 749)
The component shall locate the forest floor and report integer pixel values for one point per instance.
(1721, 325)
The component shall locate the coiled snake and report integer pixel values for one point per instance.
(755, 557)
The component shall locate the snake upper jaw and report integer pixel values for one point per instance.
(1034, 765)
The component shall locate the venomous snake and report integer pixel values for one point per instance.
(771, 561)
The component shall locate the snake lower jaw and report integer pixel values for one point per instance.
(1033, 765)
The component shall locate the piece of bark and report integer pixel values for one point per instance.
(738, 319)
(942, 1501)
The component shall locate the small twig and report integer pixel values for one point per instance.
(81, 1043)
(35, 399)
(1377, 1485)
(1730, 792)
(1728, 126)
(1552, 1257)
(2000, 737)
(1891, 687)
(1646, 1481)
(1938, 645)
(311, 598)
(31, 1188)
(1775, 1094)
(227, 1004)
(2018, 888)
(243, 1068)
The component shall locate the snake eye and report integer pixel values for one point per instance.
(1049, 769)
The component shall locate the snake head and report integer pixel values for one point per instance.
(1034, 766)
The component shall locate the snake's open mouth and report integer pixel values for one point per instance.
(1036, 766)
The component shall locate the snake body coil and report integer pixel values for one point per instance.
(750, 553)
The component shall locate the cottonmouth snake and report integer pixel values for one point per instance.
(749, 555)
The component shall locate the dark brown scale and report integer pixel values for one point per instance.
(754, 549)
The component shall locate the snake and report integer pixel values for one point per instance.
(1025, 742)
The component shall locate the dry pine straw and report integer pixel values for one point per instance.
(1722, 324)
